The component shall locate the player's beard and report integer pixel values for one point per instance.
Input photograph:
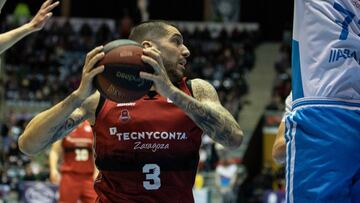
(174, 72)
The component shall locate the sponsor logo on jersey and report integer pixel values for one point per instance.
(140, 138)
(343, 54)
(150, 146)
(126, 104)
(124, 116)
(148, 135)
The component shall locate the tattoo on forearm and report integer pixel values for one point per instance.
(63, 129)
(214, 121)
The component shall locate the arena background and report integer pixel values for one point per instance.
(242, 47)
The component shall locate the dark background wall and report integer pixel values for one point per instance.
(273, 16)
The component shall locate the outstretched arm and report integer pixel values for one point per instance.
(56, 122)
(9, 38)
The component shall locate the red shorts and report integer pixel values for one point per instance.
(74, 187)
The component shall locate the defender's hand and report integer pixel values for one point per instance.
(89, 72)
(43, 15)
(162, 83)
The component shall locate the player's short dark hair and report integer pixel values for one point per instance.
(149, 30)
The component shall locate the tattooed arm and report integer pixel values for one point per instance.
(208, 113)
(205, 109)
(56, 122)
(52, 125)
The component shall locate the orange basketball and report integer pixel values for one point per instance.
(120, 80)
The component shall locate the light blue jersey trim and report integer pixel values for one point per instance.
(297, 87)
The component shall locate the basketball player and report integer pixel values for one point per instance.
(9, 38)
(148, 150)
(77, 168)
(323, 129)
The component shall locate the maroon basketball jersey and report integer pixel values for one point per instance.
(78, 151)
(146, 151)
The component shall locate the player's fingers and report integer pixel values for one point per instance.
(153, 54)
(44, 20)
(45, 4)
(155, 49)
(152, 63)
(94, 60)
(47, 16)
(147, 76)
(52, 6)
(96, 71)
(93, 52)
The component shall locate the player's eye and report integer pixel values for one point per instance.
(177, 41)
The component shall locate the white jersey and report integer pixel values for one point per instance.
(326, 49)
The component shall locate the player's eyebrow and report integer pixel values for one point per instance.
(176, 35)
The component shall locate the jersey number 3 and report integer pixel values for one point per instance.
(152, 172)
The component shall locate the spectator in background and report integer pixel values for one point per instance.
(9, 38)
(142, 6)
(125, 24)
(78, 170)
(29, 174)
(226, 179)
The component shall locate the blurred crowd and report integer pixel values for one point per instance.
(51, 61)
(282, 80)
(46, 66)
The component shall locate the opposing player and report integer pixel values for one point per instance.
(148, 150)
(77, 170)
(9, 38)
(323, 129)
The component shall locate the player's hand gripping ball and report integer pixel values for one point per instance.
(120, 80)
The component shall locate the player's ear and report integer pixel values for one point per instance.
(146, 44)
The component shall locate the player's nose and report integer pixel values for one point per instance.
(185, 51)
